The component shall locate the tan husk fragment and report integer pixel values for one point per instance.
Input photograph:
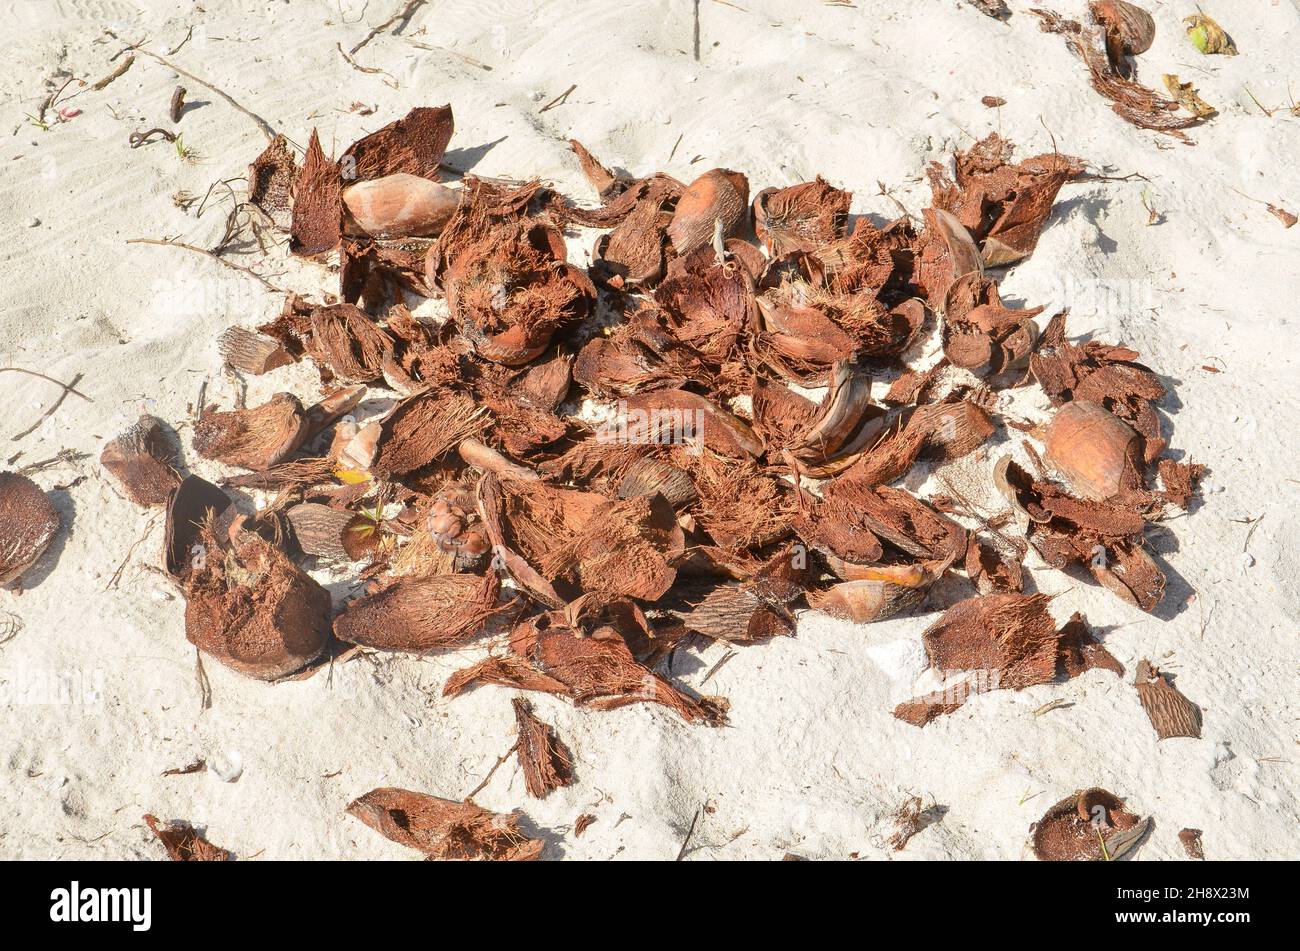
(444, 828)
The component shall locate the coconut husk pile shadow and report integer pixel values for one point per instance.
(584, 470)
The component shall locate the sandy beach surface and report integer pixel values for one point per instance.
(1167, 248)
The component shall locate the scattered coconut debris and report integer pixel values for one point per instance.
(444, 828)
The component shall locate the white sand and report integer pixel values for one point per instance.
(812, 762)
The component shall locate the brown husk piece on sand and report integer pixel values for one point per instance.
(634, 253)
(1002, 206)
(347, 345)
(876, 594)
(1078, 650)
(1009, 641)
(422, 428)
(801, 217)
(1179, 480)
(271, 181)
(910, 818)
(1131, 101)
(545, 760)
(980, 334)
(414, 145)
(189, 508)
(28, 524)
(253, 609)
(719, 195)
(1075, 828)
(256, 438)
(444, 828)
(1104, 536)
(667, 416)
(607, 184)
(595, 669)
(319, 529)
(317, 204)
(1169, 711)
(245, 350)
(1012, 634)
(739, 613)
(183, 842)
(1191, 840)
(1129, 30)
(418, 614)
(1095, 372)
(141, 459)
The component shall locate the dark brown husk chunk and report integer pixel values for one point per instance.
(184, 844)
(545, 760)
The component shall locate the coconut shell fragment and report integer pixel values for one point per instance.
(255, 438)
(800, 218)
(418, 614)
(444, 828)
(1170, 713)
(183, 842)
(28, 524)
(413, 145)
(546, 762)
(1088, 826)
(715, 203)
(1191, 840)
(253, 609)
(399, 206)
(271, 180)
(1097, 453)
(317, 218)
(245, 350)
(142, 461)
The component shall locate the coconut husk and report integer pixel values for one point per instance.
(1191, 840)
(920, 711)
(546, 762)
(250, 352)
(993, 568)
(981, 335)
(599, 671)
(319, 530)
(707, 311)
(184, 844)
(444, 828)
(740, 506)
(1009, 633)
(271, 181)
(414, 145)
(719, 195)
(317, 218)
(634, 254)
(1088, 826)
(876, 593)
(1002, 206)
(252, 608)
(1098, 454)
(681, 417)
(192, 505)
(421, 613)
(346, 344)
(647, 477)
(28, 524)
(298, 474)
(256, 438)
(505, 670)
(142, 460)
(422, 428)
(1170, 713)
(607, 184)
(736, 613)
(1078, 650)
(1131, 101)
(801, 217)
(1179, 480)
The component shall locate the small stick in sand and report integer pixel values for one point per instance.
(168, 243)
(558, 99)
(261, 123)
(122, 68)
(404, 15)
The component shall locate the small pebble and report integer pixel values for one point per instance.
(1247, 561)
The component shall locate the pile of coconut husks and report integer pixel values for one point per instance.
(587, 468)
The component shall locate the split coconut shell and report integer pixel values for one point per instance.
(28, 524)
(254, 610)
(719, 195)
(1098, 453)
(141, 458)
(255, 438)
(1087, 826)
(399, 206)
